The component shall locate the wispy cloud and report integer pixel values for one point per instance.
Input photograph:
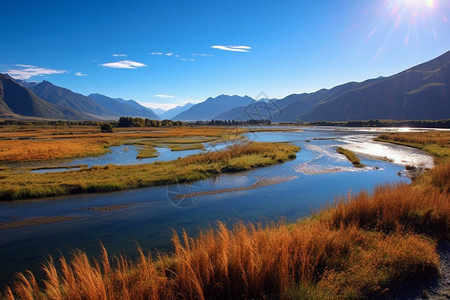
(119, 55)
(201, 54)
(124, 64)
(25, 72)
(164, 96)
(232, 48)
(172, 54)
(80, 74)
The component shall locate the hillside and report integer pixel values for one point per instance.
(211, 107)
(176, 110)
(419, 93)
(66, 98)
(17, 101)
(120, 107)
(422, 92)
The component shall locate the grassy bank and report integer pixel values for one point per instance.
(15, 185)
(437, 143)
(351, 157)
(358, 248)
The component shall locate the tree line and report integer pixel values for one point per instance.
(140, 122)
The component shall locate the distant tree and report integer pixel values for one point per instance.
(106, 127)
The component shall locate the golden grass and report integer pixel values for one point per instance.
(351, 157)
(352, 250)
(28, 150)
(422, 209)
(436, 143)
(15, 185)
(29, 143)
(181, 147)
(147, 152)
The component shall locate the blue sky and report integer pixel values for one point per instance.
(165, 53)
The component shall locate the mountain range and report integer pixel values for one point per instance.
(175, 111)
(211, 107)
(31, 100)
(419, 93)
(120, 107)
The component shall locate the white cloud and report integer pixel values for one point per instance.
(169, 54)
(164, 96)
(80, 74)
(119, 55)
(201, 54)
(187, 59)
(28, 71)
(156, 53)
(124, 64)
(233, 48)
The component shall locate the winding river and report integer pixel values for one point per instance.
(148, 216)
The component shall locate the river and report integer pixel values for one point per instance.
(148, 216)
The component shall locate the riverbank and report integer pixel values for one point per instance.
(363, 246)
(238, 157)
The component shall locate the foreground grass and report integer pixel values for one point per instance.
(358, 248)
(351, 157)
(15, 185)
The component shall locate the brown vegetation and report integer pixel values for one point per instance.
(436, 143)
(28, 150)
(23, 185)
(351, 157)
(28, 143)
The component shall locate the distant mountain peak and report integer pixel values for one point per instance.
(120, 107)
(211, 107)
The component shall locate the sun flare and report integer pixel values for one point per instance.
(415, 4)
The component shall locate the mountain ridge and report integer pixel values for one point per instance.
(119, 107)
(208, 109)
(16, 101)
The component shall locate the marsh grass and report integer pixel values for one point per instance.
(360, 247)
(112, 178)
(147, 151)
(30, 150)
(351, 157)
(31, 143)
(436, 143)
(181, 147)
